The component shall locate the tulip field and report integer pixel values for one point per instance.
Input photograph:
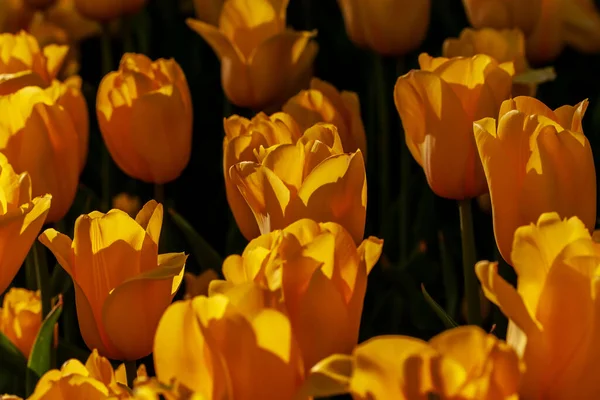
(299, 199)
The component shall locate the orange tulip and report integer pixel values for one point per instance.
(314, 273)
(40, 138)
(536, 160)
(106, 10)
(14, 15)
(499, 14)
(438, 105)
(262, 62)
(145, 115)
(21, 318)
(208, 10)
(21, 218)
(63, 16)
(122, 286)
(391, 27)
(323, 103)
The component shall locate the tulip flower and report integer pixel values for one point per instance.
(208, 10)
(197, 285)
(323, 103)
(262, 62)
(63, 16)
(40, 138)
(313, 272)
(242, 140)
(21, 218)
(106, 10)
(462, 363)
(313, 178)
(536, 160)
(222, 349)
(499, 14)
(14, 15)
(145, 115)
(392, 27)
(122, 286)
(21, 318)
(553, 309)
(438, 105)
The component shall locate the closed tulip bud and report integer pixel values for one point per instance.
(208, 10)
(553, 309)
(438, 105)
(536, 160)
(24, 63)
(21, 218)
(390, 27)
(461, 363)
(499, 14)
(242, 140)
(122, 285)
(145, 115)
(221, 349)
(324, 103)
(41, 139)
(262, 62)
(313, 179)
(21, 318)
(313, 272)
(106, 10)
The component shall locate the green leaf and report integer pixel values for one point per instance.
(447, 320)
(11, 356)
(40, 359)
(205, 255)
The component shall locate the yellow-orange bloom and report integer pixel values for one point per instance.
(208, 10)
(222, 349)
(21, 318)
(555, 311)
(262, 62)
(313, 179)
(243, 138)
(197, 285)
(438, 104)
(391, 27)
(314, 273)
(536, 160)
(21, 218)
(122, 285)
(324, 103)
(463, 363)
(499, 14)
(145, 115)
(64, 16)
(40, 138)
(106, 10)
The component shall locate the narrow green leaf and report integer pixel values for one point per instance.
(40, 359)
(205, 255)
(11, 356)
(42, 276)
(446, 319)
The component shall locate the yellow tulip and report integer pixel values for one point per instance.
(262, 62)
(21, 218)
(438, 105)
(313, 178)
(242, 140)
(536, 160)
(554, 309)
(390, 27)
(40, 138)
(499, 14)
(145, 115)
(463, 363)
(64, 16)
(14, 16)
(197, 285)
(122, 286)
(324, 103)
(106, 10)
(221, 349)
(313, 272)
(208, 10)
(94, 380)
(21, 318)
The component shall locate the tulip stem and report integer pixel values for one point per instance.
(469, 259)
(42, 277)
(382, 91)
(107, 66)
(131, 372)
(159, 193)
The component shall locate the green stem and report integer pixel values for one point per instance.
(469, 259)
(159, 193)
(131, 372)
(42, 277)
(107, 66)
(30, 273)
(383, 91)
(404, 183)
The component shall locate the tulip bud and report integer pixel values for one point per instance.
(119, 311)
(536, 160)
(106, 10)
(21, 318)
(499, 14)
(208, 10)
(145, 115)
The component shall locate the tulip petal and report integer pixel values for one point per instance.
(150, 218)
(369, 252)
(55, 56)
(61, 247)
(570, 117)
(287, 162)
(235, 271)
(329, 377)
(10, 83)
